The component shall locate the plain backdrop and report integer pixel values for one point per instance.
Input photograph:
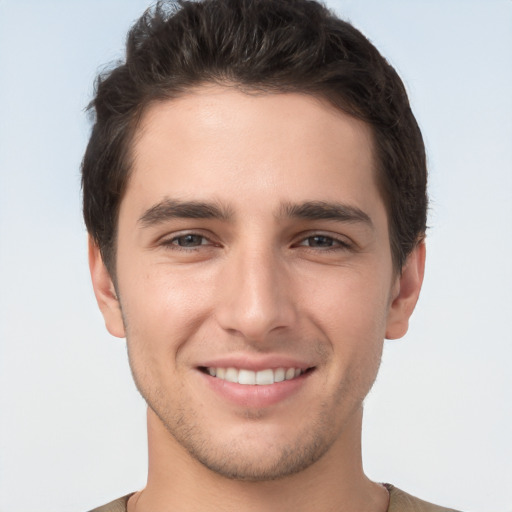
(439, 420)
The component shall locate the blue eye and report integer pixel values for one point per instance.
(324, 242)
(189, 240)
(321, 241)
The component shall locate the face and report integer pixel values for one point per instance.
(255, 282)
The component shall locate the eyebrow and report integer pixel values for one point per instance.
(169, 209)
(321, 210)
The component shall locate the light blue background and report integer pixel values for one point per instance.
(439, 420)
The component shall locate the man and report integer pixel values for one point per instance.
(255, 194)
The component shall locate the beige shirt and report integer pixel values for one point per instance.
(399, 501)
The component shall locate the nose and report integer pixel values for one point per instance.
(255, 299)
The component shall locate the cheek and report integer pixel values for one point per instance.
(158, 291)
(349, 303)
(162, 310)
(350, 309)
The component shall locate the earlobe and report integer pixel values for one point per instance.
(105, 292)
(408, 291)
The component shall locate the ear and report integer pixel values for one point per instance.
(105, 292)
(406, 294)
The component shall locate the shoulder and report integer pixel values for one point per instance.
(400, 501)
(118, 505)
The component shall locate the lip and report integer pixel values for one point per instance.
(255, 396)
(256, 363)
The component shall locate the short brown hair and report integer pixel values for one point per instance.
(258, 45)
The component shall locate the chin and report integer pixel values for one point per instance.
(253, 451)
(238, 461)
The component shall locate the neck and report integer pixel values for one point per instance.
(177, 481)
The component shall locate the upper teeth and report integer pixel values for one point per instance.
(263, 377)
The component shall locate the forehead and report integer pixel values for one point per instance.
(251, 151)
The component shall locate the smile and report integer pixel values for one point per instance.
(255, 378)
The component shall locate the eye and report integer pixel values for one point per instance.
(324, 242)
(320, 241)
(189, 240)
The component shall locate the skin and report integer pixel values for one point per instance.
(256, 283)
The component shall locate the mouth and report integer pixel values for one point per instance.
(263, 377)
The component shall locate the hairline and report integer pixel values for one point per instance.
(134, 131)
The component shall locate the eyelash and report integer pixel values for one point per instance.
(337, 244)
(171, 243)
